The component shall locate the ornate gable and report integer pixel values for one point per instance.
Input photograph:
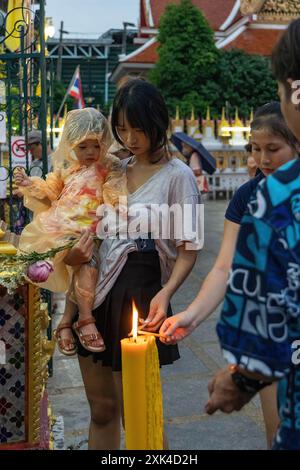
(250, 7)
(272, 11)
(280, 10)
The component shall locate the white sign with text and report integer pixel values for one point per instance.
(18, 151)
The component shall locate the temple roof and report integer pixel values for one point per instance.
(255, 41)
(278, 11)
(215, 11)
(142, 59)
(145, 54)
(255, 33)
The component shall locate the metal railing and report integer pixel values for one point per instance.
(222, 185)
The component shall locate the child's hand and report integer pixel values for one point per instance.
(20, 177)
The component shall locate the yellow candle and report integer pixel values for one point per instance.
(143, 410)
(2, 233)
(7, 249)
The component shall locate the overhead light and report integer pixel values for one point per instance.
(49, 28)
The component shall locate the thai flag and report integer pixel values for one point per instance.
(75, 89)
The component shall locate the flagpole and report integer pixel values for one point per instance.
(66, 95)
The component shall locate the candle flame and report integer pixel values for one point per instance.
(135, 317)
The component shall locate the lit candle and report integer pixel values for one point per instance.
(143, 411)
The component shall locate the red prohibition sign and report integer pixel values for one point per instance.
(18, 148)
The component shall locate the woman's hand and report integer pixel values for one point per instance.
(177, 327)
(197, 172)
(158, 310)
(20, 177)
(82, 252)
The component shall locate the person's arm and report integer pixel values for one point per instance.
(81, 252)
(159, 305)
(39, 188)
(255, 320)
(38, 193)
(195, 164)
(226, 396)
(29, 188)
(211, 293)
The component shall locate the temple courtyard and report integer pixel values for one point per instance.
(184, 383)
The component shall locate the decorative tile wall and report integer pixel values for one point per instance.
(13, 320)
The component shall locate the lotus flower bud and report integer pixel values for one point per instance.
(39, 271)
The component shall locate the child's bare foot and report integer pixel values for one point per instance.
(88, 335)
(65, 339)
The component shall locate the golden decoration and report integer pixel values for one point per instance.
(250, 7)
(40, 350)
(272, 11)
(224, 134)
(177, 123)
(192, 124)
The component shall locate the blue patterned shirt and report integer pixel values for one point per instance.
(259, 327)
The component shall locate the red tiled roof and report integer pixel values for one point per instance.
(256, 41)
(253, 41)
(147, 56)
(215, 11)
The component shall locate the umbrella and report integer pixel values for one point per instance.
(208, 162)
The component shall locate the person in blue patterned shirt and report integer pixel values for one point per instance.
(259, 329)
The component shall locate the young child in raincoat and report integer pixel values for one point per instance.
(85, 176)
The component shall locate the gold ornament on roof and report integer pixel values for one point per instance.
(192, 124)
(208, 121)
(177, 123)
(271, 11)
(224, 124)
(250, 7)
(280, 10)
(237, 123)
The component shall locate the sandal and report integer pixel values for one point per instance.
(86, 340)
(65, 343)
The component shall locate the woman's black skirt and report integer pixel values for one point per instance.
(139, 280)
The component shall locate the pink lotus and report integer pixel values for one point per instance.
(39, 271)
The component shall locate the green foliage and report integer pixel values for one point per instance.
(243, 80)
(187, 55)
(191, 72)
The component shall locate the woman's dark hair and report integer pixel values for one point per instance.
(286, 55)
(270, 117)
(145, 109)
